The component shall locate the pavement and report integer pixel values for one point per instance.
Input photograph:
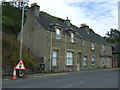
(33, 75)
(49, 74)
(85, 79)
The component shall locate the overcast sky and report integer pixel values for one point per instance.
(100, 15)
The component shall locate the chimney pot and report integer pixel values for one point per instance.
(67, 21)
(33, 10)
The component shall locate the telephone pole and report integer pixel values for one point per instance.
(21, 39)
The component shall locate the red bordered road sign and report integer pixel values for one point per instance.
(20, 66)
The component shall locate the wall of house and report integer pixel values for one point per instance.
(115, 60)
(109, 54)
(76, 48)
(63, 46)
(34, 37)
(118, 60)
(106, 56)
(87, 51)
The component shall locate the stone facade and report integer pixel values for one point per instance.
(116, 55)
(42, 41)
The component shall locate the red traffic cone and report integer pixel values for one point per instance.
(14, 74)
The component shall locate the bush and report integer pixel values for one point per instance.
(10, 54)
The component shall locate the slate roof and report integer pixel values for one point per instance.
(46, 22)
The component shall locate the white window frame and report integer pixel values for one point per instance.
(93, 60)
(85, 61)
(92, 46)
(72, 37)
(55, 58)
(58, 35)
(69, 58)
(103, 48)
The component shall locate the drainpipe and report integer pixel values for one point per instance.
(83, 52)
(50, 49)
(65, 54)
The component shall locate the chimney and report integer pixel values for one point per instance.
(85, 27)
(67, 21)
(33, 10)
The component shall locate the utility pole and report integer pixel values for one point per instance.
(21, 39)
(21, 34)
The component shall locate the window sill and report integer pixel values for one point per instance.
(93, 65)
(69, 65)
(58, 39)
(72, 42)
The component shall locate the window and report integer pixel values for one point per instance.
(69, 58)
(72, 37)
(58, 36)
(103, 48)
(108, 61)
(85, 61)
(93, 46)
(93, 60)
(55, 58)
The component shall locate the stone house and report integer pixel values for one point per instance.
(116, 55)
(62, 46)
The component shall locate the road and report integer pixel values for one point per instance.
(84, 79)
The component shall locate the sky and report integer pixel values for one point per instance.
(100, 15)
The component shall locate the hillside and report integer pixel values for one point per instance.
(11, 25)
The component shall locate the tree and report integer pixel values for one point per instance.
(19, 4)
(11, 25)
(113, 36)
(11, 18)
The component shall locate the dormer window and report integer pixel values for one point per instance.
(72, 37)
(92, 46)
(58, 35)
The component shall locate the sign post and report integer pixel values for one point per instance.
(19, 66)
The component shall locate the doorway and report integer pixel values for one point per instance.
(78, 61)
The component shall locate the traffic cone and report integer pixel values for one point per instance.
(14, 74)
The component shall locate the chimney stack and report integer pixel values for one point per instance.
(67, 21)
(33, 10)
(85, 27)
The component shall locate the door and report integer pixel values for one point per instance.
(78, 61)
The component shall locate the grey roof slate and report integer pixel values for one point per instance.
(46, 22)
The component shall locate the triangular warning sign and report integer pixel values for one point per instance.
(20, 66)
